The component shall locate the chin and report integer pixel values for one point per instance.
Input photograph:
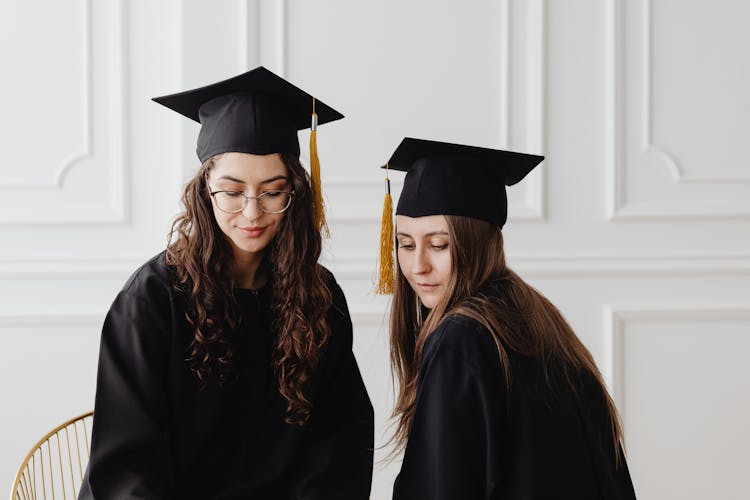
(253, 248)
(249, 246)
(429, 301)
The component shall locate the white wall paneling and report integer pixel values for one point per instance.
(61, 269)
(67, 140)
(681, 380)
(512, 110)
(235, 28)
(613, 266)
(636, 225)
(617, 318)
(80, 194)
(677, 113)
(49, 377)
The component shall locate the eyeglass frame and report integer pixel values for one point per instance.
(248, 198)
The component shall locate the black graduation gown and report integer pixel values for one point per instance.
(472, 439)
(156, 436)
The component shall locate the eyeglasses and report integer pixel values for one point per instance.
(270, 202)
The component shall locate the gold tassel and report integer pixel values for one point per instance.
(386, 269)
(319, 215)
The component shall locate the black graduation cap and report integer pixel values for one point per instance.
(449, 179)
(455, 179)
(256, 112)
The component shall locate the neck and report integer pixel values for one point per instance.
(247, 272)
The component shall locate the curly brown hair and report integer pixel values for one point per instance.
(202, 260)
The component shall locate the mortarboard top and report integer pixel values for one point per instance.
(447, 179)
(256, 112)
(455, 179)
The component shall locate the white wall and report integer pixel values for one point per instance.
(636, 226)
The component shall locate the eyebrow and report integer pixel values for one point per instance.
(239, 181)
(433, 233)
(230, 178)
(273, 179)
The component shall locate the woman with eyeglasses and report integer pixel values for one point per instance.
(498, 398)
(226, 366)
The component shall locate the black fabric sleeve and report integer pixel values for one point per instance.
(129, 456)
(338, 454)
(452, 450)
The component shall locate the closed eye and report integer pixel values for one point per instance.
(272, 194)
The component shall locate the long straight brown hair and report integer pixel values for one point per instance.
(522, 321)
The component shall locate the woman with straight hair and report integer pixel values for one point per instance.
(226, 368)
(498, 398)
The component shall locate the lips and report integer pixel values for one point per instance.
(253, 232)
(427, 287)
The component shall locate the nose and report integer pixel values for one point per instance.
(252, 210)
(421, 263)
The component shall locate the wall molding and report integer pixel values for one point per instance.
(649, 146)
(249, 56)
(43, 320)
(357, 266)
(74, 268)
(535, 185)
(281, 38)
(536, 108)
(117, 209)
(362, 266)
(618, 206)
(249, 23)
(56, 182)
(616, 317)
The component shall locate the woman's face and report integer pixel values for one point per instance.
(424, 255)
(251, 230)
